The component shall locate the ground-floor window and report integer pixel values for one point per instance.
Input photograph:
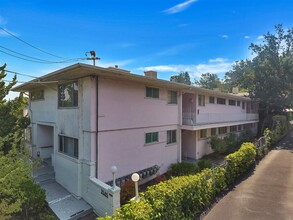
(223, 130)
(151, 137)
(68, 146)
(171, 136)
(233, 128)
(203, 133)
(213, 131)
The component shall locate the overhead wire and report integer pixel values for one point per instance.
(23, 54)
(39, 60)
(21, 74)
(11, 34)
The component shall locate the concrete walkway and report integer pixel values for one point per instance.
(63, 203)
(267, 194)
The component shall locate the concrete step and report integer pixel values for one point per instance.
(71, 208)
(63, 203)
(45, 177)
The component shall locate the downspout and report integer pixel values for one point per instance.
(93, 126)
(97, 125)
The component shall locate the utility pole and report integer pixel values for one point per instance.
(93, 58)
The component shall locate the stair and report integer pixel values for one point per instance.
(64, 204)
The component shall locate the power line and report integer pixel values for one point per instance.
(21, 74)
(40, 60)
(6, 31)
(23, 54)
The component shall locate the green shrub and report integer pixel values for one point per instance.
(183, 169)
(127, 192)
(219, 177)
(34, 199)
(203, 164)
(134, 210)
(240, 161)
(218, 145)
(184, 197)
(181, 197)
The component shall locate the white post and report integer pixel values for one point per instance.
(135, 178)
(114, 170)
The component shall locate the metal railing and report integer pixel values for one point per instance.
(191, 118)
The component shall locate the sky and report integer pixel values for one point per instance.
(168, 36)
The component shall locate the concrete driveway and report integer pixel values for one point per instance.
(267, 194)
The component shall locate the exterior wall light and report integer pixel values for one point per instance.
(135, 179)
(114, 171)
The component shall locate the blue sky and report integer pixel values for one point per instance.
(169, 36)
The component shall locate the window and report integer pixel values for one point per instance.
(68, 95)
(201, 100)
(239, 128)
(223, 130)
(243, 105)
(221, 101)
(152, 92)
(203, 133)
(213, 131)
(172, 97)
(151, 137)
(28, 134)
(233, 128)
(37, 95)
(211, 99)
(68, 146)
(252, 106)
(238, 103)
(232, 102)
(171, 136)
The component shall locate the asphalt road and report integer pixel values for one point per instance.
(267, 194)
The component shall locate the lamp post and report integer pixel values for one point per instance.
(135, 178)
(114, 170)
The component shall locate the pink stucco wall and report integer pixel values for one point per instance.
(124, 116)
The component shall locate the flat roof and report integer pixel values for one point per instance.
(80, 70)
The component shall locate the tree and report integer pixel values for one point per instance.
(268, 77)
(4, 89)
(208, 81)
(182, 77)
(20, 197)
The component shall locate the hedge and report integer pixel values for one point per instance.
(185, 197)
(240, 161)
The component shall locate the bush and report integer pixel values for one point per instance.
(203, 164)
(134, 210)
(218, 145)
(183, 169)
(240, 161)
(184, 197)
(181, 197)
(127, 192)
(34, 201)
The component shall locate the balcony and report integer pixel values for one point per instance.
(193, 119)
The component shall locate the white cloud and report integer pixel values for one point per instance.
(218, 60)
(120, 63)
(180, 7)
(260, 37)
(225, 36)
(218, 65)
(246, 37)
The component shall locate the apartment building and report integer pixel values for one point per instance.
(87, 119)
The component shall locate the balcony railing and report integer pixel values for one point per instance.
(189, 118)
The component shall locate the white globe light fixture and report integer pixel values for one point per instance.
(135, 179)
(114, 171)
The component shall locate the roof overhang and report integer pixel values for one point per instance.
(81, 70)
